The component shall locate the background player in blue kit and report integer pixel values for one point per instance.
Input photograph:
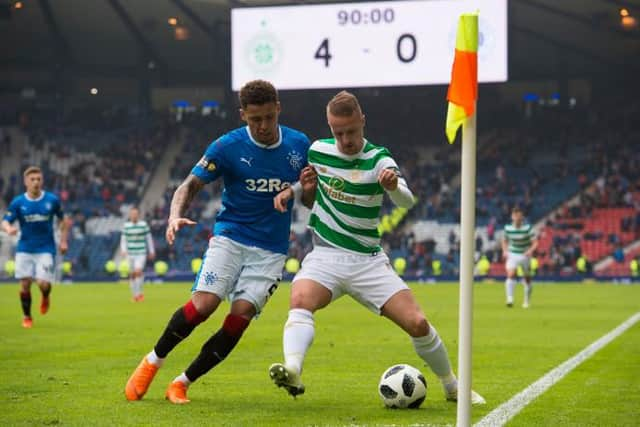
(245, 257)
(34, 210)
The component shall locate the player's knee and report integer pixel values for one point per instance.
(417, 325)
(298, 300)
(235, 325)
(309, 297)
(205, 303)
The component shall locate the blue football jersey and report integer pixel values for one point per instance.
(36, 221)
(253, 174)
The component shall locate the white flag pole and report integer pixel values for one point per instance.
(467, 249)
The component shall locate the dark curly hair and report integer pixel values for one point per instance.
(257, 92)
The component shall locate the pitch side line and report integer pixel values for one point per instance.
(509, 409)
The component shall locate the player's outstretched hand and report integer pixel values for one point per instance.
(308, 179)
(151, 256)
(388, 178)
(174, 225)
(282, 199)
(64, 246)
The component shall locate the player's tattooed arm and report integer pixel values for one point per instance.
(182, 198)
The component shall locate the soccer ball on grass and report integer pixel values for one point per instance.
(402, 386)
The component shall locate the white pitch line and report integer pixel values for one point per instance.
(509, 409)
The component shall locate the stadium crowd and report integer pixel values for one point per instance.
(538, 161)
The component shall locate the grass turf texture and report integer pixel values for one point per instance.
(71, 368)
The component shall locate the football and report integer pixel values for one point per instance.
(402, 386)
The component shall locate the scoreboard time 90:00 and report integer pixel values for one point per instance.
(366, 44)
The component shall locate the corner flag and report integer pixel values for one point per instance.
(462, 95)
(463, 90)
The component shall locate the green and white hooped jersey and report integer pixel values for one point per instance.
(348, 197)
(518, 238)
(135, 237)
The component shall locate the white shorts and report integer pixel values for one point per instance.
(137, 262)
(369, 279)
(236, 271)
(515, 260)
(35, 266)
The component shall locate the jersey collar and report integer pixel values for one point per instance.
(266, 147)
(26, 196)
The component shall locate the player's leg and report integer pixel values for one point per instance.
(313, 288)
(132, 279)
(137, 285)
(214, 351)
(219, 270)
(403, 309)
(25, 302)
(510, 282)
(140, 283)
(528, 289)
(25, 272)
(45, 289)
(182, 323)
(45, 275)
(260, 273)
(140, 263)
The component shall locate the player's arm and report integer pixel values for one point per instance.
(150, 247)
(64, 226)
(309, 182)
(8, 218)
(533, 247)
(396, 186)
(8, 228)
(182, 198)
(505, 246)
(305, 189)
(123, 244)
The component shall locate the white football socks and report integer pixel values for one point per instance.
(132, 285)
(297, 338)
(154, 359)
(528, 288)
(183, 379)
(139, 282)
(433, 351)
(509, 284)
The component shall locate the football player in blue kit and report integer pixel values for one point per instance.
(245, 257)
(35, 211)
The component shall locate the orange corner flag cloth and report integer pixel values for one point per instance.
(463, 90)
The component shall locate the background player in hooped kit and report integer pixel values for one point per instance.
(35, 211)
(519, 243)
(245, 257)
(136, 243)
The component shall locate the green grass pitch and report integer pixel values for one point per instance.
(70, 369)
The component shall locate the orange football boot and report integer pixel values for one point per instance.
(44, 305)
(177, 393)
(27, 323)
(140, 380)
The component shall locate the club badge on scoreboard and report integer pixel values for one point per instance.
(263, 52)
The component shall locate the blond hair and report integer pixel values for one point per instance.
(344, 104)
(30, 170)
